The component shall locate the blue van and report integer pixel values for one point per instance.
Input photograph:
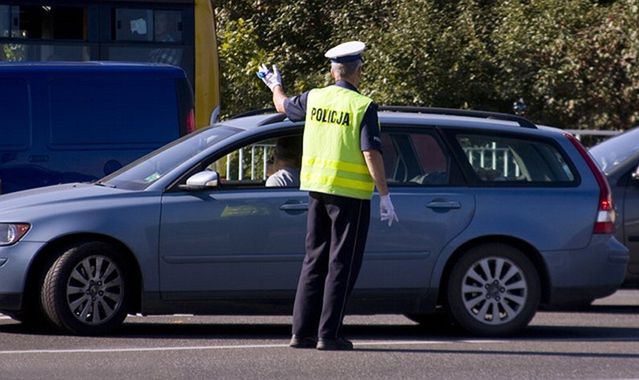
(79, 121)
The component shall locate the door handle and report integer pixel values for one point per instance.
(294, 207)
(444, 204)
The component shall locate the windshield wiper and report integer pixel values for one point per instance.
(105, 185)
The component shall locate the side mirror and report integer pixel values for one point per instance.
(201, 181)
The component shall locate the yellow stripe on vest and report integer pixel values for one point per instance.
(323, 180)
(317, 162)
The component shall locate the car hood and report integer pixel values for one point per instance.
(128, 216)
(52, 196)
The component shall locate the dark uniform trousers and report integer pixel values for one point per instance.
(335, 239)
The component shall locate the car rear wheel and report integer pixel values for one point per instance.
(493, 290)
(86, 290)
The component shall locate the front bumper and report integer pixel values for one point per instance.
(583, 275)
(16, 261)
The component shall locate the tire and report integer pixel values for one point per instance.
(493, 290)
(86, 290)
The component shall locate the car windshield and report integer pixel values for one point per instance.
(141, 173)
(616, 150)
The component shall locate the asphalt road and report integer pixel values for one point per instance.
(600, 342)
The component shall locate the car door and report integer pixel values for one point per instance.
(242, 237)
(432, 204)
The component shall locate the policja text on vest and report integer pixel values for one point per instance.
(326, 115)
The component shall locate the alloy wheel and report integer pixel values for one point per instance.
(494, 290)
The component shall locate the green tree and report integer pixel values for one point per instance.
(240, 55)
(574, 62)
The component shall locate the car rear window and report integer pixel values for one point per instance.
(107, 111)
(14, 108)
(513, 160)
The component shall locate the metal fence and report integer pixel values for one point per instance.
(494, 158)
(249, 163)
(252, 162)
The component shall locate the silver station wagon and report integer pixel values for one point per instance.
(618, 157)
(497, 216)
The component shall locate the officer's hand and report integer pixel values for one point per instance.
(386, 210)
(271, 78)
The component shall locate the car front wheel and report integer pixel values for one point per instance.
(86, 291)
(493, 290)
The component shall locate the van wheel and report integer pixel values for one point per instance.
(493, 290)
(85, 291)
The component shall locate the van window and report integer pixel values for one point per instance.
(14, 108)
(105, 111)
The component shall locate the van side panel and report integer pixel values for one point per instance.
(120, 112)
(78, 124)
(15, 132)
(98, 125)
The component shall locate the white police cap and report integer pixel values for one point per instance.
(346, 52)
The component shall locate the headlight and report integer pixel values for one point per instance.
(12, 232)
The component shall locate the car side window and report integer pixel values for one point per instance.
(415, 159)
(273, 162)
(513, 160)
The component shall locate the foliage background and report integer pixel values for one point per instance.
(574, 62)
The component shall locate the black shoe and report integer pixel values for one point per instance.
(334, 344)
(303, 342)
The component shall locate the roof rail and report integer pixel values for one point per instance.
(522, 121)
(275, 118)
(253, 113)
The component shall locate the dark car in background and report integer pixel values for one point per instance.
(618, 157)
(497, 216)
(76, 122)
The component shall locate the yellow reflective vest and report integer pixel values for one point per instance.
(332, 160)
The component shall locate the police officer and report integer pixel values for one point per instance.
(341, 164)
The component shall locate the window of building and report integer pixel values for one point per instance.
(43, 22)
(147, 25)
(5, 21)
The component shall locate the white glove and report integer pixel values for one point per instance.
(271, 78)
(386, 210)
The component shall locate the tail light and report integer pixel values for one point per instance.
(190, 121)
(606, 215)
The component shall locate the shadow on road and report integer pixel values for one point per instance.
(596, 309)
(150, 329)
(491, 353)
(437, 327)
